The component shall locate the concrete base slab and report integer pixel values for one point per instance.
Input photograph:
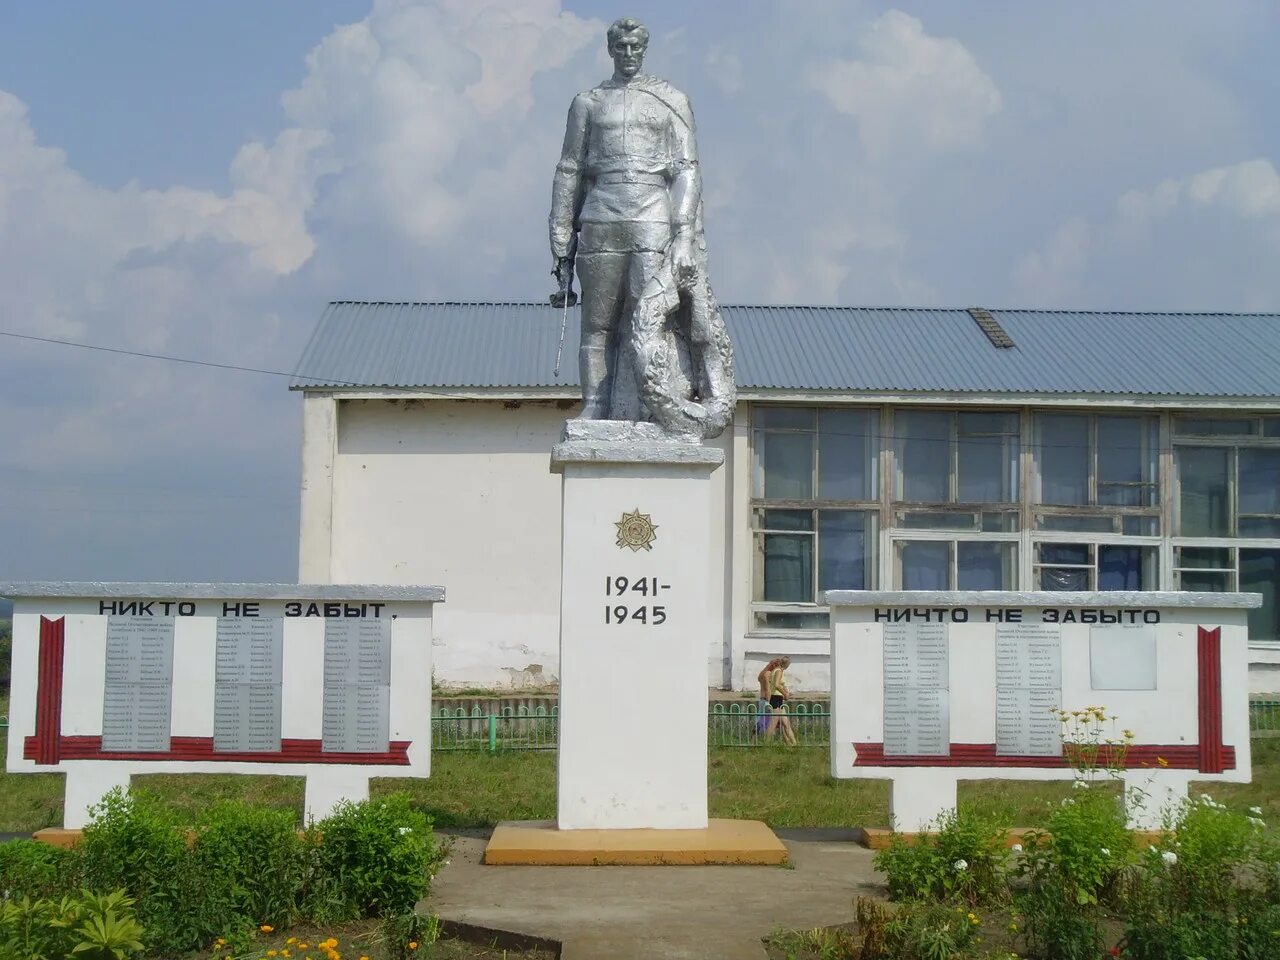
(540, 843)
(57, 836)
(656, 912)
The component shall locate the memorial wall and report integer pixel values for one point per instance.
(328, 682)
(929, 688)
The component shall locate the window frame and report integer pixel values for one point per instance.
(1093, 509)
(758, 504)
(1232, 444)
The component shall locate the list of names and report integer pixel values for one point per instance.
(246, 708)
(917, 704)
(1028, 689)
(357, 685)
(138, 695)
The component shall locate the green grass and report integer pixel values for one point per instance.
(783, 787)
(28, 801)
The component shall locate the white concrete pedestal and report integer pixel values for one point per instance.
(634, 622)
(88, 781)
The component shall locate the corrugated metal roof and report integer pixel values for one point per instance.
(848, 349)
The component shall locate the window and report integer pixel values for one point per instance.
(1095, 566)
(1229, 481)
(954, 512)
(956, 457)
(1097, 473)
(956, 564)
(1247, 569)
(815, 513)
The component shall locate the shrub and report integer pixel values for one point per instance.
(1208, 891)
(133, 843)
(6, 654)
(965, 859)
(248, 865)
(89, 927)
(1070, 872)
(372, 858)
(37, 871)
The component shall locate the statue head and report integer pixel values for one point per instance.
(628, 39)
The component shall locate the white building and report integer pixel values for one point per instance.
(871, 448)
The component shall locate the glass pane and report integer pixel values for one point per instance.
(843, 550)
(1259, 481)
(1141, 526)
(926, 565)
(1000, 522)
(1066, 553)
(924, 456)
(1260, 527)
(788, 567)
(1203, 508)
(1212, 558)
(1059, 578)
(985, 566)
(938, 521)
(1049, 521)
(1213, 427)
(786, 520)
(988, 469)
(971, 423)
(1203, 581)
(845, 461)
(1063, 457)
(1126, 568)
(1271, 426)
(1259, 573)
(792, 621)
(1126, 495)
(784, 418)
(1126, 455)
(788, 465)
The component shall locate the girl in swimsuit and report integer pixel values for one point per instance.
(762, 704)
(778, 696)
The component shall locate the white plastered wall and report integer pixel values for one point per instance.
(460, 493)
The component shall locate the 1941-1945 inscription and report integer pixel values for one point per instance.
(635, 610)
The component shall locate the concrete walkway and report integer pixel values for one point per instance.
(659, 913)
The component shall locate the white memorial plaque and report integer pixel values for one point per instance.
(246, 711)
(1028, 689)
(917, 714)
(357, 685)
(1122, 657)
(138, 696)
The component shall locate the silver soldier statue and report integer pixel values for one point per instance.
(626, 207)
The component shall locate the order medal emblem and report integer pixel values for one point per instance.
(636, 530)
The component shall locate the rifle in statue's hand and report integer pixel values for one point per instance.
(564, 298)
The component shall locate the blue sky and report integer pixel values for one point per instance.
(200, 179)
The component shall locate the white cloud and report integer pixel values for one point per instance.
(909, 89)
(1169, 233)
(425, 109)
(725, 67)
(1250, 190)
(1046, 275)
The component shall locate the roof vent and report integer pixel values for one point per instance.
(991, 327)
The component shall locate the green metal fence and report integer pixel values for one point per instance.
(524, 728)
(729, 724)
(1264, 718)
(518, 728)
(735, 724)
